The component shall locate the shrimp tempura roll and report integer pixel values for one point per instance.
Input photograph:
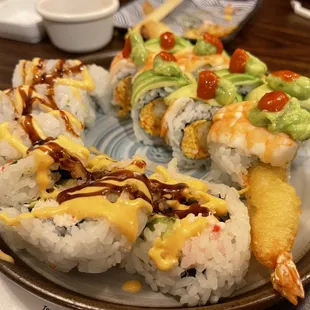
(274, 210)
(269, 131)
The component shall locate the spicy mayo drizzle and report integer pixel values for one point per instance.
(286, 75)
(167, 41)
(274, 101)
(214, 41)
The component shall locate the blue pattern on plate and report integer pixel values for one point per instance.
(116, 138)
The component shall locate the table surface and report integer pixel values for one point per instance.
(274, 34)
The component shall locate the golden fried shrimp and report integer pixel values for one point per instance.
(274, 210)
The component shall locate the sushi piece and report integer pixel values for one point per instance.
(189, 115)
(74, 73)
(274, 218)
(149, 90)
(17, 136)
(197, 246)
(24, 100)
(64, 232)
(136, 56)
(234, 143)
(207, 54)
(123, 67)
(26, 179)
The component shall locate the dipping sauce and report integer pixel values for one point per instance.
(207, 84)
(132, 286)
(167, 41)
(238, 61)
(274, 101)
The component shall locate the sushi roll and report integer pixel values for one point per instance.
(196, 246)
(207, 54)
(189, 115)
(93, 79)
(123, 67)
(64, 232)
(269, 131)
(137, 56)
(26, 179)
(149, 90)
(17, 136)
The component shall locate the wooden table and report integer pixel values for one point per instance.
(275, 34)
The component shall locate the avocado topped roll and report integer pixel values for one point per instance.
(196, 246)
(149, 90)
(90, 225)
(245, 71)
(17, 136)
(189, 115)
(207, 54)
(73, 74)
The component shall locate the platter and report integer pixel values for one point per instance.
(103, 291)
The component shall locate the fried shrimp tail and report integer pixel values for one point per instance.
(285, 279)
(274, 210)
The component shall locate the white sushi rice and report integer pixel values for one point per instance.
(229, 163)
(72, 99)
(18, 182)
(183, 112)
(92, 246)
(140, 133)
(221, 259)
(7, 112)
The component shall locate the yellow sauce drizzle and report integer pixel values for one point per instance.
(132, 286)
(99, 162)
(123, 213)
(73, 120)
(166, 251)
(44, 162)
(6, 257)
(13, 141)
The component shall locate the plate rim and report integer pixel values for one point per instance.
(27, 278)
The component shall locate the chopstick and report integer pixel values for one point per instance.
(160, 13)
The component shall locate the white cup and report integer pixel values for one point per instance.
(78, 25)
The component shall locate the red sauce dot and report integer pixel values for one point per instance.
(286, 75)
(216, 228)
(167, 40)
(167, 56)
(274, 101)
(214, 41)
(207, 84)
(238, 61)
(127, 48)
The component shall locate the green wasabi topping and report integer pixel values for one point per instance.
(138, 51)
(299, 88)
(254, 66)
(292, 120)
(225, 92)
(204, 48)
(167, 68)
(257, 93)
(153, 45)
